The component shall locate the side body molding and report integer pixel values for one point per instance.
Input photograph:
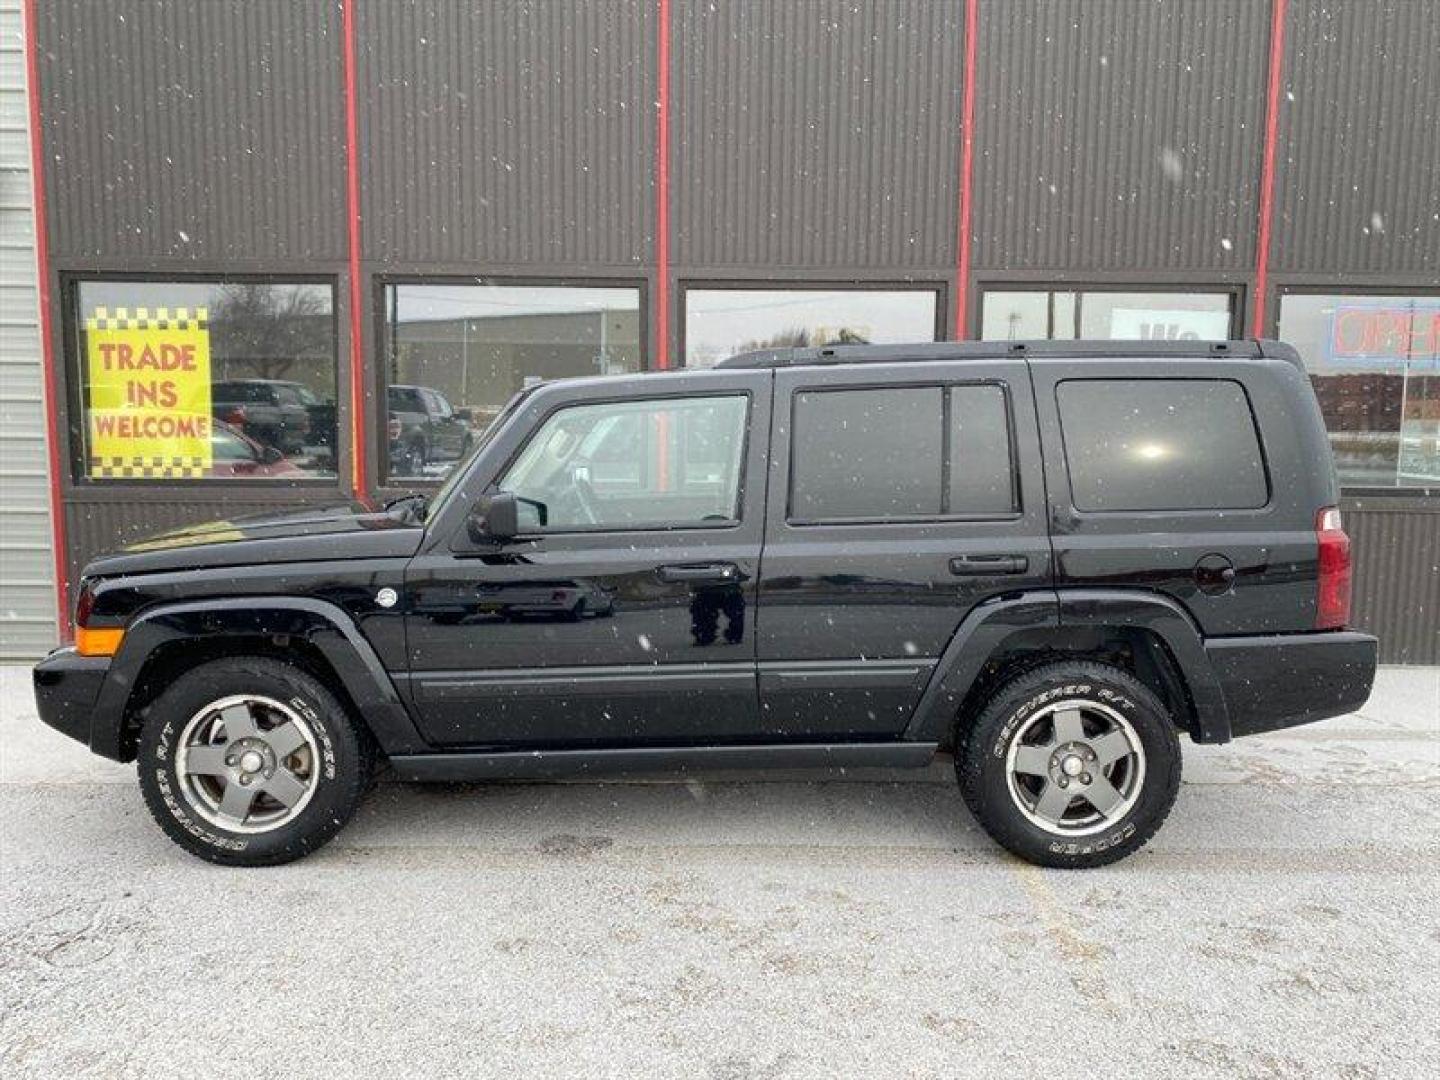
(982, 632)
(322, 624)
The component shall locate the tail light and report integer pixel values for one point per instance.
(1332, 597)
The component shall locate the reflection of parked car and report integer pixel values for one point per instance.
(564, 599)
(269, 412)
(423, 428)
(235, 454)
(320, 411)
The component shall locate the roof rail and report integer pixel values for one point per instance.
(995, 350)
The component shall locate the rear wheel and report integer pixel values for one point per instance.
(251, 762)
(1074, 764)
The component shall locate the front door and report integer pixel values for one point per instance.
(624, 616)
(901, 496)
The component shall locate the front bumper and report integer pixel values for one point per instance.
(1282, 680)
(67, 686)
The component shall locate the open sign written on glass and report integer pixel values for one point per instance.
(1398, 332)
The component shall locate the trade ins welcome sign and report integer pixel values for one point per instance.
(149, 384)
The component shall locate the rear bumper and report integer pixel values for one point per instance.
(67, 686)
(1283, 680)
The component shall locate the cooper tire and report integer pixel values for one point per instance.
(327, 762)
(1024, 725)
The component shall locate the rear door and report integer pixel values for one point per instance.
(900, 496)
(1161, 479)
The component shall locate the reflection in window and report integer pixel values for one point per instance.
(1375, 364)
(207, 380)
(455, 353)
(1017, 315)
(633, 465)
(722, 322)
(900, 452)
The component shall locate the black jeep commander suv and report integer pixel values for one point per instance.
(1051, 558)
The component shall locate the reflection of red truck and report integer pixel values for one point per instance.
(234, 455)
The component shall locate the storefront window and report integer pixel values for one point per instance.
(1037, 314)
(723, 322)
(455, 353)
(220, 380)
(1375, 365)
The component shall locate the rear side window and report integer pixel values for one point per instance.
(1161, 444)
(906, 452)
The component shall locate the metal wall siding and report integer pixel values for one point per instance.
(27, 591)
(1397, 581)
(193, 131)
(507, 133)
(822, 135)
(1119, 135)
(1358, 189)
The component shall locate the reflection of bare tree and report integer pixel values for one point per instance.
(799, 337)
(268, 328)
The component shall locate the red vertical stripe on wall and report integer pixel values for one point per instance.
(50, 380)
(1267, 168)
(359, 479)
(967, 170)
(662, 191)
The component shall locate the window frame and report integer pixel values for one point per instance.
(937, 288)
(75, 419)
(1359, 288)
(544, 419)
(944, 386)
(377, 441)
(1266, 507)
(1236, 291)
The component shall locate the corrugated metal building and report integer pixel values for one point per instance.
(371, 199)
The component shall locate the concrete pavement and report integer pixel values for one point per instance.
(1284, 922)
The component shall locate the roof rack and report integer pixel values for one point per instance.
(997, 350)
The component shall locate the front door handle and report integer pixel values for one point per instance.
(988, 565)
(698, 572)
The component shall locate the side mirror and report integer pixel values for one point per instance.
(496, 519)
(270, 455)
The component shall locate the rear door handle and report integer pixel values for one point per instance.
(682, 572)
(987, 565)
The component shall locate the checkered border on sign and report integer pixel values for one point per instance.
(149, 319)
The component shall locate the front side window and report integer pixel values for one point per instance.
(456, 353)
(221, 380)
(1161, 444)
(723, 322)
(656, 464)
(1375, 364)
(901, 453)
(1031, 314)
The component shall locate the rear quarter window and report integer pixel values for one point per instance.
(1161, 444)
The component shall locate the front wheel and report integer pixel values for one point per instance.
(251, 762)
(1073, 764)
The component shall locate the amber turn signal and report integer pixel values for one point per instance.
(98, 641)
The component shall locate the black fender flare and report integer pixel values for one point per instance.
(979, 636)
(322, 624)
(1172, 624)
(984, 631)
